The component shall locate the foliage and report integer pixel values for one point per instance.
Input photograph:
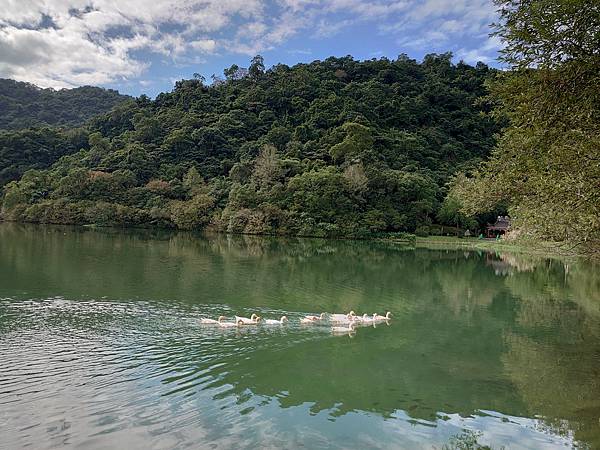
(332, 148)
(467, 440)
(24, 105)
(546, 166)
(192, 214)
(36, 148)
(450, 213)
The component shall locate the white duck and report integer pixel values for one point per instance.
(342, 318)
(253, 320)
(348, 329)
(379, 318)
(238, 323)
(276, 322)
(319, 317)
(367, 319)
(206, 321)
(307, 320)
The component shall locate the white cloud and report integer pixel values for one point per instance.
(452, 26)
(442, 25)
(60, 58)
(94, 41)
(204, 45)
(482, 53)
(299, 51)
(62, 43)
(428, 39)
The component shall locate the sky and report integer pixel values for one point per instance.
(144, 46)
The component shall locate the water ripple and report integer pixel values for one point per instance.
(100, 374)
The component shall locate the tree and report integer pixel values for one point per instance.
(548, 33)
(147, 127)
(192, 214)
(257, 67)
(357, 141)
(193, 181)
(450, 213)
(235, 72)
(36, 148)
(267, 167)
(216, 80)
(546, 165)
(25, 105)
(355, 175)
(98, 142)
(335, 147)
(321, 193)
(279, 136)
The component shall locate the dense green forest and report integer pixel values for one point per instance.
(36, 148)
(546, 166)
(332, 148)
(38, 126)
(25, 105)
(343, 147)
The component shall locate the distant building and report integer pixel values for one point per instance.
(499, 228)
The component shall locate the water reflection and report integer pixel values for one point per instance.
(99, 343)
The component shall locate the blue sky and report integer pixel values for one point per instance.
(144, 46)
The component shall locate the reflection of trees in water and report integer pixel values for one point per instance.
(553, 356)
(559, 382)
(584, 287)
(520, 262)
(552, 298)
(510, 263)
(466, 285)
(382, 371)
(556, 294)
(462, 338)
(426, 362)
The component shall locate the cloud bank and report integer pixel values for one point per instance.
(66, 43)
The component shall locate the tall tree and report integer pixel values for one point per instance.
(547, 163)
(257, 67)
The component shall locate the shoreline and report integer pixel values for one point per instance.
(536, 248)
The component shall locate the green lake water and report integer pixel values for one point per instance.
(100, 344)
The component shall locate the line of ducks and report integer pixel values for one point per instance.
(239, 321)
(350, 321)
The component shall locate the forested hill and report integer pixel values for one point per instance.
(25, 105)
(332, 148)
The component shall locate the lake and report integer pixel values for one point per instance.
(101, 346)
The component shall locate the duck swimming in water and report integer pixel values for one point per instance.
(342, 318)
(239, 323)
(319, 317)
(206, 321)
(276, 322)
(253, 320)
(306, 320)
(380, 318)
(367, 319)
(340, 330)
